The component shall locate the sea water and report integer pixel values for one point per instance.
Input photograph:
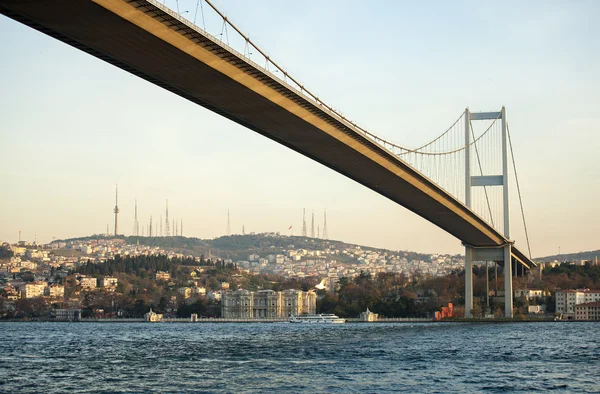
(295, 358)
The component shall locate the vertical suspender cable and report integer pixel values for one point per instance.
(202, 12)
(481, 172)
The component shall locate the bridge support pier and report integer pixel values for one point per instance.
(485, 254)
(508, 288)
(468, 281)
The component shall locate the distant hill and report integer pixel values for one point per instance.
(239, 247)
(591, 255)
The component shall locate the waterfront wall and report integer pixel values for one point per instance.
(261, 320)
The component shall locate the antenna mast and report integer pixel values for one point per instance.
(228, 223)
(304, 222)
(325, 235)
(167, 230)
(136, 224)
(116, 210)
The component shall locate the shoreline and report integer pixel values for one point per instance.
(270, 321)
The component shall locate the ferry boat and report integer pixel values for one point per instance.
(320, 318)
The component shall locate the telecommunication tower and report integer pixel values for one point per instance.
(325, 235)
(167, 230)
(304, 222)
(136, 224)
(116, 210)
(228, 223)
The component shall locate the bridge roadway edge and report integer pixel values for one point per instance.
(384, 184)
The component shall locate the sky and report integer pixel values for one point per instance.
(72, 126)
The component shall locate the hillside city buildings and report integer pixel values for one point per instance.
(289, 262)
(334, 264)
(40, 272)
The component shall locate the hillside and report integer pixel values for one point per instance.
(239, 247)
(590, 255)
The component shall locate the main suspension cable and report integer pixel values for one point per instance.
(447, 152)
(518, 190)
(316, 98)
(435, 140)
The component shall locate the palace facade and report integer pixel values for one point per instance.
(264, 304)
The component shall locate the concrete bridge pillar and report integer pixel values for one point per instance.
(508, 288)
(468, 281)
(497, 254)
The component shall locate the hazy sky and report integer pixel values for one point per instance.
(72, 126)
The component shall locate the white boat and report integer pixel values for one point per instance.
(320, 318)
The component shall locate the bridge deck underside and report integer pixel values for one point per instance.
(95, 30)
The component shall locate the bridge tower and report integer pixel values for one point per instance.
(492, 253)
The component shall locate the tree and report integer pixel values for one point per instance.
(27, 277)
(199, 307)
(140, 308)
(328, 303)
(162, 304)
(477, 311)
(5, 253)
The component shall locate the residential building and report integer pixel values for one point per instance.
(29, 265)
(186, 292)
(108, 281)
(214, 295)
(199, 290)
(567, 299)
(33, 289)
(587, 311)
(11, 294)
(67, 314)
(536, 309)
(55, 291)
(162, 275)
(88, 282)
(529, 294)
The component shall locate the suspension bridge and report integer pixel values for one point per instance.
(459, 181)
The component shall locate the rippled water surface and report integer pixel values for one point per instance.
(282, 357)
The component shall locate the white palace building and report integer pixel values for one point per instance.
(265, 304)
